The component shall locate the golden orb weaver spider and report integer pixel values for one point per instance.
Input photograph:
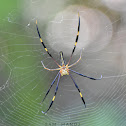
(63, 68)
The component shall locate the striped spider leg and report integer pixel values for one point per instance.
(64, 68)
(44, 45)
(54, 95)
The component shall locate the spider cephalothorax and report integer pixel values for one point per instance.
(64, 68)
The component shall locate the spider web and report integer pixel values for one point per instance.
(24, 82)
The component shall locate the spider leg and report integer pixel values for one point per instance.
(76, 61)
(53, 96)
(48, 68)
(50, 87)
(44, 44)
(78, 89)
(76, 38)
(86, 76)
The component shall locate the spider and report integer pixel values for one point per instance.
(64, 69)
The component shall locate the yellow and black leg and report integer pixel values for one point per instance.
(50, 87)
(77, 35)
(78, 89)
(53, 96)
(44, 44)
(76, 38)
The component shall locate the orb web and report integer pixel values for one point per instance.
(24, 82)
